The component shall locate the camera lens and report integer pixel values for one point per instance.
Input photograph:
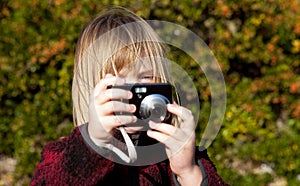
(153, 107)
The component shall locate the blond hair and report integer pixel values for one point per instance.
(109, 42)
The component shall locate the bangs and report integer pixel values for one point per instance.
(147, 52)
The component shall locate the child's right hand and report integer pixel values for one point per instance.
(103, 105)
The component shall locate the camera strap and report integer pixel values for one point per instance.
(132, 155)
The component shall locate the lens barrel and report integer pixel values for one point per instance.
(154, 107)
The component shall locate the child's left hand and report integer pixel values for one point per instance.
(180, 144)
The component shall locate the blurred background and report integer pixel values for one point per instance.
(257, 44)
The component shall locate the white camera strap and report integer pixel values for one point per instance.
(132, 155)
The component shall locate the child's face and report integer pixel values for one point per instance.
(141, 72)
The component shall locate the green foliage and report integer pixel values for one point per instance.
(257, 44)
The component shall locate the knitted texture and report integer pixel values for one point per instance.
(70, 161)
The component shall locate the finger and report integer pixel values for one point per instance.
(108, 75)
(180, 111)
(115, 106)
(112, 94)
(171, 143)
(161, 137)
(183, 113)
(115, 121)
(168, 129)
(105, 82)
(164, 128)
(108, 80)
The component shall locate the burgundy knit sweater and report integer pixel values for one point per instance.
(71, 161)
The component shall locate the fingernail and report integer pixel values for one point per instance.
(129, 95)
(152, 125)
(170, 106)
(149, 132)
(108, 75)
(134, 119)
(132, 107)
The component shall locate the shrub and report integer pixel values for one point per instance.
(256, 43)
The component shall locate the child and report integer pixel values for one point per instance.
(117, 48)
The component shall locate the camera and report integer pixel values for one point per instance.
(150, 101)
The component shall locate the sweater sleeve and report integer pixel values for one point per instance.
(210, 175)
(208, 169)
(70, 161)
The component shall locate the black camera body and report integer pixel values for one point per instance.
(150, 101)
